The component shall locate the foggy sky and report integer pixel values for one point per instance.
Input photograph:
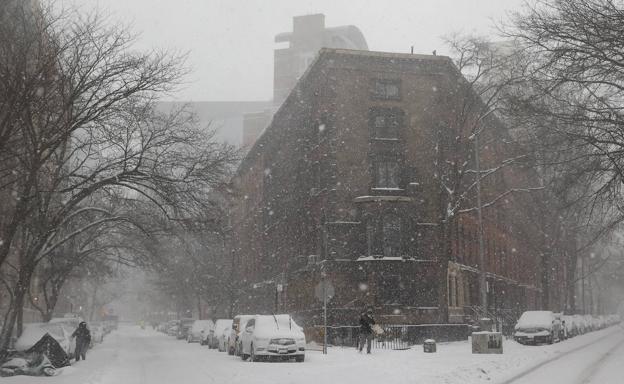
(230, 42)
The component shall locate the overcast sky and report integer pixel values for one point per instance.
(230, 42)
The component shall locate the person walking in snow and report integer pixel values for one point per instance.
(83, 340)
(366, 329)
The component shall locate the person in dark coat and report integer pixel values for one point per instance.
(83, 340)
(366, 329)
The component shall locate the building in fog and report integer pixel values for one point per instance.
(343, 184)
(240, 123)
(308, 36)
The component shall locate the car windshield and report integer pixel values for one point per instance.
(334, 191)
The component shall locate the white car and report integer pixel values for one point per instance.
(535, 327)
(97, 333)
(234, 339)
(199, 330)
(33, 332)
(272, 337)
(217, 331)
(224, 338)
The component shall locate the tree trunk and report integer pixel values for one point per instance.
(14, 314)
(545, 279)
(94, 302)
(571, 283)
(199, 308)
(443, 263)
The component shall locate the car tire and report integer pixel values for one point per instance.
(552, 338)
(300, 359)
(230, 351)
(244, 356)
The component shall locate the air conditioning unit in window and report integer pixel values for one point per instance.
(314, 259)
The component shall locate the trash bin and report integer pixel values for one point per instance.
(429, 346)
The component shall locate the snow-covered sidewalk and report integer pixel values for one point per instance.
(131, 355)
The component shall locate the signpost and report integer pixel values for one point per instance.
(324, 291)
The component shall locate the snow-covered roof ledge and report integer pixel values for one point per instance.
(367, 199)
(391, 258)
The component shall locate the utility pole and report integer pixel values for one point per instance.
(482, 272)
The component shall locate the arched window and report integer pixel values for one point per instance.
(391, 235)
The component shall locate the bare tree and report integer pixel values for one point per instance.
(474, 149)
(570, 107)
(61, 73)
(92, 130)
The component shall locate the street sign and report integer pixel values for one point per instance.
(328, 289)
(324, 291)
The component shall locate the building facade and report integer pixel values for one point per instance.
(345, 185)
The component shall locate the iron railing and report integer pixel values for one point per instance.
(398, 336)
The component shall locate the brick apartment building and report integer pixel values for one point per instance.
(343, 184)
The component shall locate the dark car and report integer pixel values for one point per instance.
(184, 328)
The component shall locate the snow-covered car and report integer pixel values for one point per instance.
(33, 332)
(97, 333)
(69, 324)
(272, 337)
(220, 325)
(224, 337)
(234, 339)
(536, 327)
(184, 328)
(172, 327)
(69, 321)
(199, 330)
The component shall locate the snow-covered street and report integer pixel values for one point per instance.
(134, 356)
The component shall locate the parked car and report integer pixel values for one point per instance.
(199, 330)
(536, 327)
(184, 328)
(97, 333)
(33, 332)
(224, 338)
(234, 339)
(272, 337)
(172, 327)
(69, 324)
(69, 321)
(220, 325)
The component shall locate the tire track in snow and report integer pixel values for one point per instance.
(591, 371)
(534, 368)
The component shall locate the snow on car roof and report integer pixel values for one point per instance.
(222, 324)
(534, 319)
(276, 321)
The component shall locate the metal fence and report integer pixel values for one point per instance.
(398, 336)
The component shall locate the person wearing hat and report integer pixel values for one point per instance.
(366, 329)
(83, 340)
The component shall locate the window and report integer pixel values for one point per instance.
(387, 173)
(390, 289)
(391, 235)
(386, 89)
(370, 236)
(385, 123)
